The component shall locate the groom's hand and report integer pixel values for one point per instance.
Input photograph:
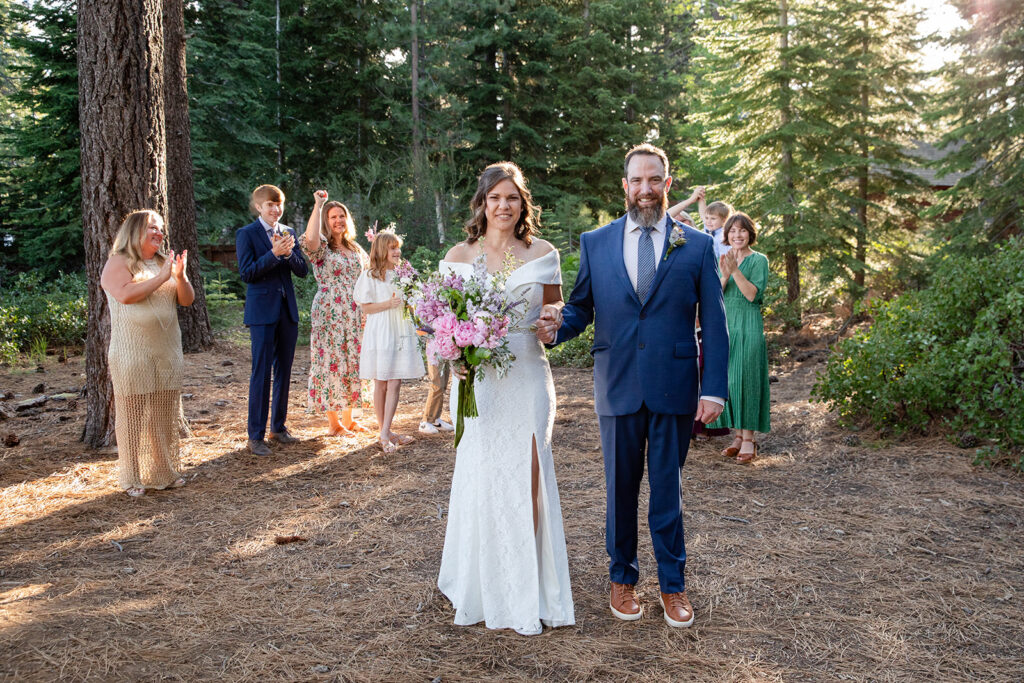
(708, 411)
(548, 323)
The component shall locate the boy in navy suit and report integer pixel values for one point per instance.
(267, 258)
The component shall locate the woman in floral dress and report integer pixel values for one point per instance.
(337, 323)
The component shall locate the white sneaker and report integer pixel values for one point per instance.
(443, 426)
(427, 428)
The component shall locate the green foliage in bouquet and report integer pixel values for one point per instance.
(951, 354)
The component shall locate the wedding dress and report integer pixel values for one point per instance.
(494, 568)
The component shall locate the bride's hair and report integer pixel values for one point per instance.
(528, 224)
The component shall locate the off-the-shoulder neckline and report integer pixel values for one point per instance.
(463, 263)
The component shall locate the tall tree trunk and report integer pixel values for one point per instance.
(121, 117)
(860, 246)
(417, 162)
(439, 216)
(194, 320)
(790, 252)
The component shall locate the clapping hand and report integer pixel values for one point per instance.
(166, 270)
(283, 244)
(178, 264)
(548, 323)
(727, 263)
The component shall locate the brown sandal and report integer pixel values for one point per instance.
(732, 450)
(744, 458)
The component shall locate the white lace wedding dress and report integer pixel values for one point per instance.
(494, 568)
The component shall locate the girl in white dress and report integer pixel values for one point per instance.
(504, 560)
(390, 351)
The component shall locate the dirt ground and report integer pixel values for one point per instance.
(834, 556)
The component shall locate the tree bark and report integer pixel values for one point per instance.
(194, 320)
(792, 257)
(417, 162)
(121, 117)
(861, 248)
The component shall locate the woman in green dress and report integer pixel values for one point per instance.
(744, 276)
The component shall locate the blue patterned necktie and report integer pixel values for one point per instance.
(644, 264)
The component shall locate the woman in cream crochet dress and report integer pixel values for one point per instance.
(144, 287)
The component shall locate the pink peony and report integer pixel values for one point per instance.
(464, 333)
(446, 348)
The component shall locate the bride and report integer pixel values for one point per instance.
(504, 560)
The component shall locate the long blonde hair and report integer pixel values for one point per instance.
(348, 238)
(128, 240)
(382, 244)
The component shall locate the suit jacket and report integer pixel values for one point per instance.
(647, 353)
(270, 292)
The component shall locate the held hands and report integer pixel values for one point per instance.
(548, 323)
(282, 244)
(708, 411)
(698, 193)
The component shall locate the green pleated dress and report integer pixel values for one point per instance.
(749, 397)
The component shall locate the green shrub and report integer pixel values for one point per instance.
(224, 295)
(42, 313)
(951, 354)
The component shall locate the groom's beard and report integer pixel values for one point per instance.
(647, 216)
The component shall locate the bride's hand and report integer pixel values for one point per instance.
(548, 323)
(459, 371)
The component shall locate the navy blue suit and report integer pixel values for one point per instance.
(646, 382)
(272, 316)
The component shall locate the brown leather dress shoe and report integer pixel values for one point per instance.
(283, 436)
(678, 610)
(624, 602)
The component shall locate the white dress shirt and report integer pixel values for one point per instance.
(630, 246)
(271, 229)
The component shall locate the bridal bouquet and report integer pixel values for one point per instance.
(468, 321)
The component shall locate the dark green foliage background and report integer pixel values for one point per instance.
(952, 352)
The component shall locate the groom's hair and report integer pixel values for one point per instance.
(645, 148)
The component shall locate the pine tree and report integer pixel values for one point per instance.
(757, 110)
(232, 97)
(867, 87)
(120, 52)
(983, 107)
(41, 207)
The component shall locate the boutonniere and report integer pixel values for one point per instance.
(675, 239)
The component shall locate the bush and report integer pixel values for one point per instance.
(951, 354)
(42, 314)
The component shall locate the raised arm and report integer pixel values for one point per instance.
(698, 195)
(313, 224)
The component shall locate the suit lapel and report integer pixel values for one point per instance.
(617, 236)
(666, 259)
(263, 239)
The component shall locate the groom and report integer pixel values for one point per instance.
(640, 280)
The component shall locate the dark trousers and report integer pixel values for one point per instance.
(625, 441)
(273, 349)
